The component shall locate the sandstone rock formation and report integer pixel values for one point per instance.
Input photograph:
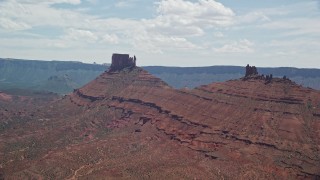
(252, 73)
(130, 124)
(121, 61)
(251, 70)
(268, 127)
(269, 78)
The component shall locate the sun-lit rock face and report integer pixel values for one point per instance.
(121, 61)
(226, 121)
(129, 124)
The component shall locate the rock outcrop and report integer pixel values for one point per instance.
(121, 61)
(272, 119)
(130, 124)
(251, 70)
(252, 73)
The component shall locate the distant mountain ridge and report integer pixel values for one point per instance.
(35, 75)
(38, 75)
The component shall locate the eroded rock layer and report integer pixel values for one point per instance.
(129, 124)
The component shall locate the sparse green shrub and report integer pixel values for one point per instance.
(309, 105)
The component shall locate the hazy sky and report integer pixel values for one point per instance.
(164, 32)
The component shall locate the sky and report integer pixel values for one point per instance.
(272, 33)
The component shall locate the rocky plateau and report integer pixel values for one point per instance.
(128, 124)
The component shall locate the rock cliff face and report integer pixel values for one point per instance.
(251, 71)
(121, 61)
(130, 124)
(228, 121)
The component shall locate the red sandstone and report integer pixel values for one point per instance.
(129, 124)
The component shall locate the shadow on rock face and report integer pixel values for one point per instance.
(1, 174)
